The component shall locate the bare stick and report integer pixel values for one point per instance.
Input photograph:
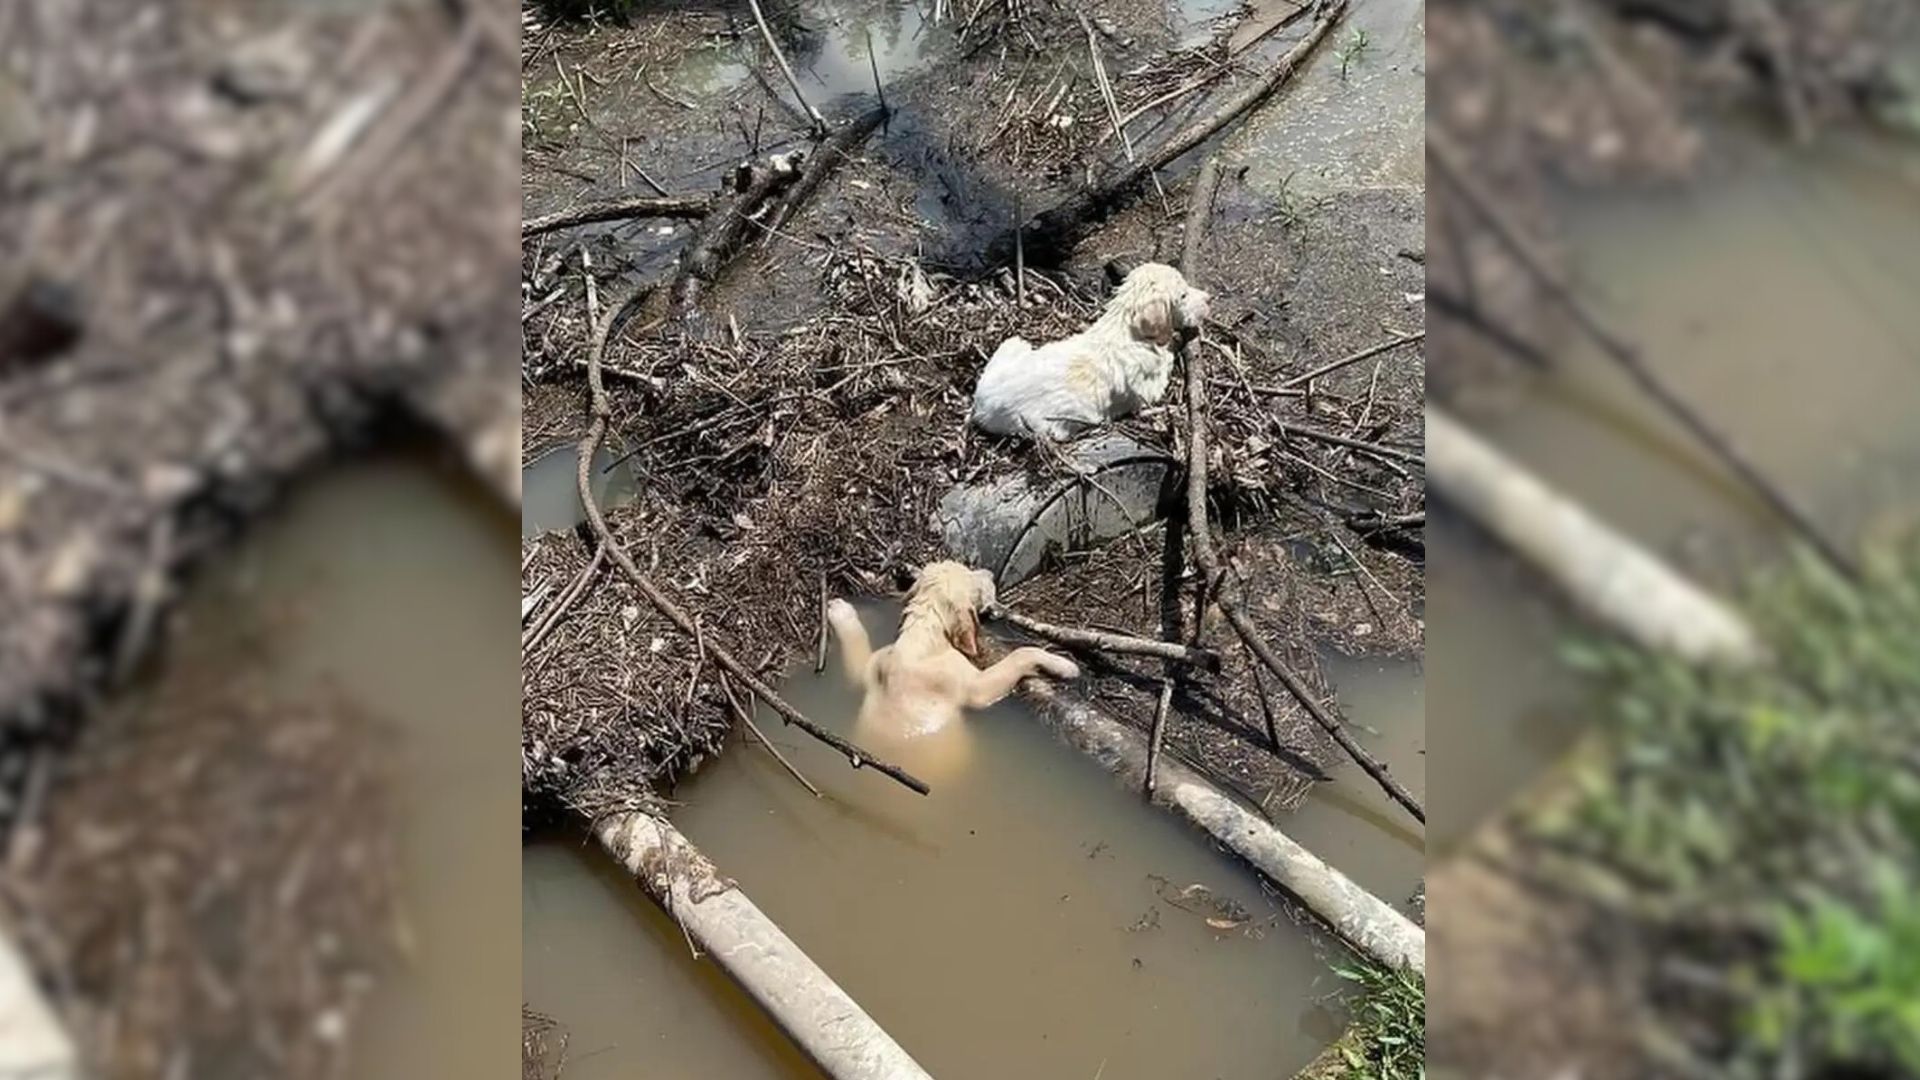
(1106, 88)
(1375, 449)
(1451, 163)
(1204, 558)
(819, 122)
(1159, 732)
(746, 718)
(556, 613)
(1051, 234)
(1171, 651)
(874, 63)
(1199, 212)
(674, 206)
(1367, 353)
(724, 234)
(820, 646)
(1019, 254)
(589, 444)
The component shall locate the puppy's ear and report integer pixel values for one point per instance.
(965, 635)
(985, 592)
(1153, 321)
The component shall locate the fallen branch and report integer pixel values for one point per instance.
(1376, 449)
(1367, 353)
(633, 206)
(746, 717)
(1371, 522)
(556, 613)
(1370, 924)
(1171, 651)
(803, 1001)
(1205, 559)
(1051, 234)
(1199, 212)
(725, 234)
(589, 445)
(766, 33)
(1451, 164)
(825, 159)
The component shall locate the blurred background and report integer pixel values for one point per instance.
(1674, 439)
(259, 441)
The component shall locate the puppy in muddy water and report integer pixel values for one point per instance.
(1109, 370)
(924, 681)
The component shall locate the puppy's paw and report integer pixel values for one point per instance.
(840, 613)
(1059, 666)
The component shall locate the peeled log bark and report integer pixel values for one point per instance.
(1366, 922)
(803, 1000)
(1611, 578)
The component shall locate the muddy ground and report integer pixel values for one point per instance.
(1544, 103)
(812, 432)
(236, 239)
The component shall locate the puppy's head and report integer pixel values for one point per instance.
(1158, 302)
(953, 594)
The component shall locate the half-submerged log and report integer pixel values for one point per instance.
(1612, 579)
(821, 1019)
(1363, 920)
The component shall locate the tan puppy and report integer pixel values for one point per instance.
(926, 678)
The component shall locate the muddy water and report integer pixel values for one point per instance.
(394, 568)
(1349, 821)
(1029, 919)
(550, 488)
(1778, 298)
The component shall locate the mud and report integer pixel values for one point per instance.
(282, 225)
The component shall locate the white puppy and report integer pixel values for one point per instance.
(1110, 369)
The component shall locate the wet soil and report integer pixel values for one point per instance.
(280, 224)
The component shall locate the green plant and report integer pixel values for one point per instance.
(1774, 813)
(1389, 1014)
(1353, 50)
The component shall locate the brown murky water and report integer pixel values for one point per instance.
(550, 488)
(393, 567)
(1030, 919)
(1779, 299)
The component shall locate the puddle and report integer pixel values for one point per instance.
(1779, 301)
(362, 587)
(1193, 21)
(835, 60)
(1024, 920)
(1357, 129)
(550, 489)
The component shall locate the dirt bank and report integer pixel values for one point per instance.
(261, 230)
(235, 240)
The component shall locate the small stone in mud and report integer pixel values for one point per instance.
(70, 567)
(39, 323)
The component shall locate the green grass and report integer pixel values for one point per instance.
(1764, 826)
(1388, 1040)
(1352, 52)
